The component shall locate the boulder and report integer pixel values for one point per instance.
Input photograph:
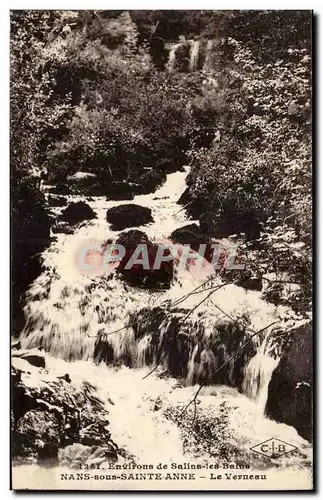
(38, 434)
(59, 189)
(77, 212)
(290, 389)
(128, 215)
(137, 275)
(131, 238)
(151, 180)
(123, 190)
(193, 236)
(190, 234)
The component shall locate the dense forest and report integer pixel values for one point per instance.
(203, 117)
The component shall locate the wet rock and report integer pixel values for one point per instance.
(194, 207)
(57, 201)
(65, 377)
(151, 180)
(74, 455)
(184, 349)
(49, 413)
(61, 227)
(137, 275)
(35, 359)
(103, 455)
(123, 190)
(131, 238)
(79, 454)
(128, 215)
(193, 236)
(290, 389)
(82, 183)
(30, 236)
(37, 433)
(77, 212)
(15, 345)
(230, 222)
(190, 234)
(48, 454)
(250, 283)
(185, 197)
(168, 166)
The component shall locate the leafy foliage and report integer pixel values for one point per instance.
(261, 165)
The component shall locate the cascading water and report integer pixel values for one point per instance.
(194, 55)
(67, 311)
(258, 373)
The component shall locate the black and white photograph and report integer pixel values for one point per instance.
(161, 250)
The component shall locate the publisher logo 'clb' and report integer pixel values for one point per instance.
(273, 448)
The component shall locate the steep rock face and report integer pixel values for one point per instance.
(30, 236)
(290, 389)
(128, 215)
(51, 413)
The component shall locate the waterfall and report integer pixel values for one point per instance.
(194, 55)
(172, 56)
(75, 316)
(140, 351)
(258, 373)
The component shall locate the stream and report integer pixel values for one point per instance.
(66, 309)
